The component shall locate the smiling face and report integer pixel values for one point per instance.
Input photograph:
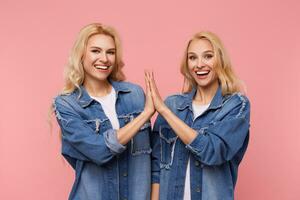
(201, 63)
(99, 58)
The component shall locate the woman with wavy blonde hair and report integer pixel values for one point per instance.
(229, 82)
(74, 74)
(105, 134)
(201, 135)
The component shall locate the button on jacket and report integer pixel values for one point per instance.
(104, 168)
(215, 154)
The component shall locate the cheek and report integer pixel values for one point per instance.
(112, 58)
(211, 63)
(87, 60)
(214, 74)
(191, 65)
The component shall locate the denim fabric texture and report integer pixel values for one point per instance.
(104, 168)
(215, 154)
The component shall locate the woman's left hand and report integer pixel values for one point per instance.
(159, 104)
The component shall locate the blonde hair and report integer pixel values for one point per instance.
(74, 73)
(228, 81)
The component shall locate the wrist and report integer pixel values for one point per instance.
(147, 114)
(163, 110)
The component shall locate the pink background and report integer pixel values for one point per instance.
(262, 38)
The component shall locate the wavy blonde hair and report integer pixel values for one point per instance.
(228, 81)
(74, 73)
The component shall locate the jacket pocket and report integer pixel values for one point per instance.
(168, 141)
(140, 143)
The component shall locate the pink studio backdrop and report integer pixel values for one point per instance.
(262, 38)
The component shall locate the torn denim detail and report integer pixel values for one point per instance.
(57, 114)
(168, 142)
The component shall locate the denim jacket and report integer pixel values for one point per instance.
(215, 154)
(104, 168)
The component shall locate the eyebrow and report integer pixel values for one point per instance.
(114, 49)
(207, 51)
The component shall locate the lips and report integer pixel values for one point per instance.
(102, 67)
(202, 73)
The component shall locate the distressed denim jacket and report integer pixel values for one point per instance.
(105, 169)
(215, 154)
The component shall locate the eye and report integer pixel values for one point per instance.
(95, 51)
(192, 57)
(111, 52)
(208, 56)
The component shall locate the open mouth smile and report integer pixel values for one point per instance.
(102, 67)
(202, 73)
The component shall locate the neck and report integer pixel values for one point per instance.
(98, 88)
(204, 95)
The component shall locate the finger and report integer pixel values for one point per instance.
(152, 85)
(147, 75)
(146, 82)
(151, 75)
(153, 82)
(145, 78)
(149, 81)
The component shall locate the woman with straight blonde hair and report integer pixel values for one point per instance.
(104, 121)
(201, 135)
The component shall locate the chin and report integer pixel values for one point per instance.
(102, 78)
(205, 83)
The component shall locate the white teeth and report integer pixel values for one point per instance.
(102, 67)
(202, 72)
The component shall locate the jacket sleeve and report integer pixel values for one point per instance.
(97, 148)
(226, 135)
(156, 148)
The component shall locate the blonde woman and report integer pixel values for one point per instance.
(104, 121)
(201, 135)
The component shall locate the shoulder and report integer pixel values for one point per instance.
(132, 94)
(236, 99)
(129, 86)
(175, 100)
(237, 104)
(175, 97)
(64, 100)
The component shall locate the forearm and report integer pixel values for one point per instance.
(125, 133)
(155, 191)
(182, 130)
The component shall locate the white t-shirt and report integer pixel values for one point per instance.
(108, 104)
(197, 110)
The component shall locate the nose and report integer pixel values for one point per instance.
(103, 57)
(200, 63)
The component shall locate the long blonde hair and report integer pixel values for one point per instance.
(74, 73)
(229, 82)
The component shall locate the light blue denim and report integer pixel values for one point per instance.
(104, 168)
(215, 154)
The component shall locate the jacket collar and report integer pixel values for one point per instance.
(188, 99)
(84, 99)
